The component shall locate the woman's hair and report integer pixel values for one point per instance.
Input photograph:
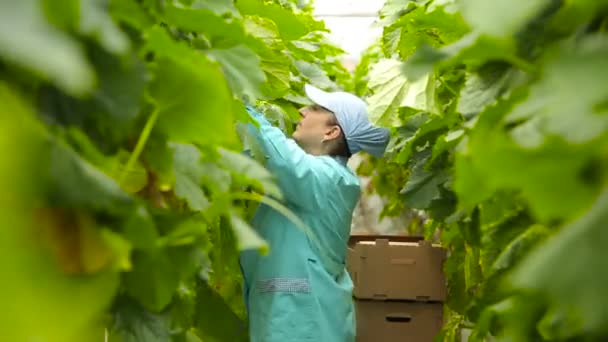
(339, 146)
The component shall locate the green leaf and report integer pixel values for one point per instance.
(244, 166)
(189, 172)
(421, 26)
(517, 249)
(290, 25)
(491, 161)
(185, 232)
(315, 75)
(188, 336)
(136, 178)
(130, 12)
(472, 268)
(501, 18)
(577, 251)
(451, 331)
(219, 30)
(118, 247)
(133, 323)
(264, 30)
(241, 68)
(96, 22)
(281, 209)
(391, 89)
(423, 186)
(246, 236)
(63, 14)
(70, 174)
(121, 85)
(392, 10)
(42, 48)
(184, 114)
(560, 325)
(214, 320)
(153, 279)
(40, 301)
(500, 208)
(483, 87)
(277, 78)
(219, 7)
(140, 229)
(487, 319)
(158, 156)
(446, 142)
(251, 145)
(419, 129)
(473, 49)
(468, 177)
(550, 108)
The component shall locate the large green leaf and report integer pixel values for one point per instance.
(577, 251)
(184, 114)
(69, 173)
(121, 85)
(472, 268)
(419, 26)
(64, 14)
(423, 186)
(269, 46)
(246, 236)
(483, 87)
(315, 75)
(140, 229)
(219, 7)
(220, 30)
(40, 301)
(189, 172)
(473, 49)
(245, 167)
(392, 89)
(241, 68)
(114, 166)
(421, 129)
(290, 25)
(550, 109)
(517, 249)
(278, 76)
(153, 279)
(214, 320)
(95, 22)
(501, 18)
(492, 160)
(131, 12)
(392, 10)
(133, 323)
(42, 48)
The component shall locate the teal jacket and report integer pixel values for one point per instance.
(300, 290)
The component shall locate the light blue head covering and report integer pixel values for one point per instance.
(351, 113)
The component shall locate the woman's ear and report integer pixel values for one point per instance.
(333, 132)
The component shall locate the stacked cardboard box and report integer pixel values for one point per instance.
(399, 288)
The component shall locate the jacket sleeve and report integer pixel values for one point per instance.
(296, 171)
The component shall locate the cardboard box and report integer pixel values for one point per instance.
(397, 321)
(383, 269)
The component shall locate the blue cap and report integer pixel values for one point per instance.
(351, 113)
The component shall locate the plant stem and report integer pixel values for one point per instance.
(139, 147)
(445, 84)
(522, 64)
